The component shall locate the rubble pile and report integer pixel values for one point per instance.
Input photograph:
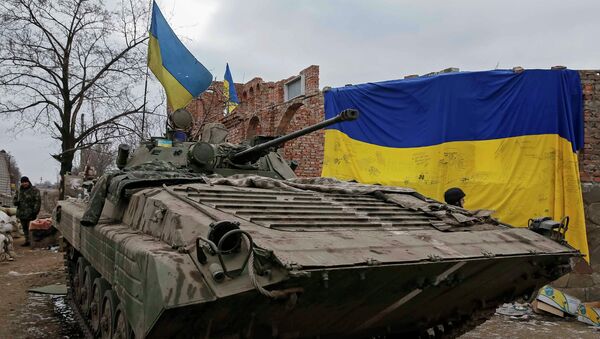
(553, 301)
(7, 252)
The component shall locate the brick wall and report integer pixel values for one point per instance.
(589, 157)
(264, 110)
(586, 285)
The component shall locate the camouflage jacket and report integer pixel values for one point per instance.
(28, 203)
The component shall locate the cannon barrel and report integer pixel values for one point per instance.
(247, 154)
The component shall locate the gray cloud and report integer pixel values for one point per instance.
(358, 41)
(32, 152)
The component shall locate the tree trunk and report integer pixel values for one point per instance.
(66, 165)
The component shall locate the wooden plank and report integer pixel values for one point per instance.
(539, 306)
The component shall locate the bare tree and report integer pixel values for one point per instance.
(60, 59)
(209, 107)
(101, 157)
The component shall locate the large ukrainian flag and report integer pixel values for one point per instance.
(509, 140)
(182, 76)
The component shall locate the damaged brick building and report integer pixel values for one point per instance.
(275, 108)
(272, 108)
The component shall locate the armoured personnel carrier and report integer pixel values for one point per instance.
(209, 239)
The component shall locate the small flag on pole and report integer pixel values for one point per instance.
(229, 91)
(182, 76)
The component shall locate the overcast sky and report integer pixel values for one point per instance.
(362, 41)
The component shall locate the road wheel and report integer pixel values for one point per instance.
(71, 251)
(99, 287)
(122, 327)
(77, 278)
(107, 315)
(85, 290)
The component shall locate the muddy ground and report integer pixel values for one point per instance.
(535, 326)
(29, 315)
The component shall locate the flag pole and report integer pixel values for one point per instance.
(228, 90)
(144, 106)
(227, 102)
(147, 69)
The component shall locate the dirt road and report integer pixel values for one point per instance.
(28, 315)
(537, 326)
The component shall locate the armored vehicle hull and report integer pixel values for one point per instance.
(208, 239)
(256, 257)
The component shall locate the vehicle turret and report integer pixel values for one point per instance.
(212, 154)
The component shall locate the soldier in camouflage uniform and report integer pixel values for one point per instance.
(28, 202)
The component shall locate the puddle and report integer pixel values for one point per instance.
(48, 316)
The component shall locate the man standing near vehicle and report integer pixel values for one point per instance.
(28, 202)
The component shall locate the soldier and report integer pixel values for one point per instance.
(28, 202)
(455, 196)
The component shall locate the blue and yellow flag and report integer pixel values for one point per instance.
(229, 91)
(182, 76)
(508, 140)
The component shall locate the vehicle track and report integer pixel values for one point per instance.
(69, 270)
